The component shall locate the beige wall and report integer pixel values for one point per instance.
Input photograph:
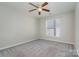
(77, 28)
(67, 28)
(15, 27)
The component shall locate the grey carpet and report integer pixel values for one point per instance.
(40, 48)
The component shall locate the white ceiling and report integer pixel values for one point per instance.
(54, 7)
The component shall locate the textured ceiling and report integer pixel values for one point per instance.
(54, 7)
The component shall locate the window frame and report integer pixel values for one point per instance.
(55, 23)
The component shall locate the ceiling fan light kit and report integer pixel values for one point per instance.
(40, 8)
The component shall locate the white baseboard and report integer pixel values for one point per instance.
(56, 40)
(19, 43)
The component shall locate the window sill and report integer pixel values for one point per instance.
(53, 37)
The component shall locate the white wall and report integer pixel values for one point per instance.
(77, 28)
(15, 27)
(67, 28)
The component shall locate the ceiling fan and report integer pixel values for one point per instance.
(40, 8)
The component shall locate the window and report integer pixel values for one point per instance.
(53, 28)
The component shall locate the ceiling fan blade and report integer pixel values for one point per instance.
(39, 13)
(46, 10)
(44, 4)
(32, 10)
(33, 5)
